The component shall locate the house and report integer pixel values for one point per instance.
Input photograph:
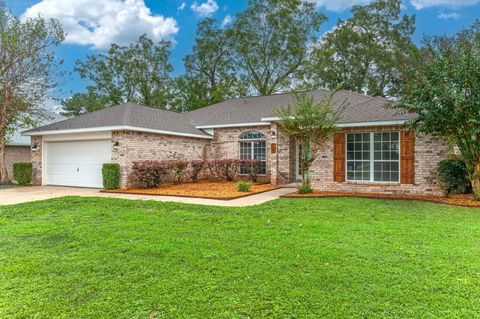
(17, 149)
(371, 152)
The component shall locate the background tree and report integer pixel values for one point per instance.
(442, 88)
(272, 40)
(364, 54)
(211, 67)
(311, 124)
(26, 63)
(138, 73)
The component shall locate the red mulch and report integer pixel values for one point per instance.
(464, 200)
(202, 189)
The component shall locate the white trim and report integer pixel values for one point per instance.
(353, 124)
(115, 128)
(378, 123)
(233, 125)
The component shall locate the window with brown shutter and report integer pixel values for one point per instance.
(407, 157)
(339, 157)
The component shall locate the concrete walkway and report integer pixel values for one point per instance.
(19, 195)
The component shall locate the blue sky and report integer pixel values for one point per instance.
(93, 24)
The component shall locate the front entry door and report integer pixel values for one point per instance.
(297, 161)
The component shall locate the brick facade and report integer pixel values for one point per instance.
(428, 153)
(138, 146)
(16, 154)
(225, 144)
(281, 164)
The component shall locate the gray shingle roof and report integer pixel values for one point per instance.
(128, 114)
(359, 108)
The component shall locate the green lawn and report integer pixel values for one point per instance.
(298, 258)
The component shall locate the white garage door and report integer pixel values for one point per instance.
(77, 163)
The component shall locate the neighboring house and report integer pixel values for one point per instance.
(17, 149)
(372, 151)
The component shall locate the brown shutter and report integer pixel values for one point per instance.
(339, 157)
(407, 157)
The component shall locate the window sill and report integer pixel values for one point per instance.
(373, 183)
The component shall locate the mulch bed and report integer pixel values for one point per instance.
(202, 189)
(466, 200)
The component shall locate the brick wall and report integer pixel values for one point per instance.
(16, 154)
(36, 157)
(225, 144)
(428, 153)
(138, 146)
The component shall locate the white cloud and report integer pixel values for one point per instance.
(206, 9)
(421, 4)
(182, 6)
(98, 23)
(448, 16)
(226, 21)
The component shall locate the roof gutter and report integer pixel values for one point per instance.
(352, 124)
(114, 128)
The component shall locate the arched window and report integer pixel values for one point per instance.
(253, 146)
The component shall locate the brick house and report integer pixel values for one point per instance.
(371, 151)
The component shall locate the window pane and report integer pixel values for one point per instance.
(386, 161)
(358, 156)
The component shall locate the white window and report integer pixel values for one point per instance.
(373, 157)
(253, 146)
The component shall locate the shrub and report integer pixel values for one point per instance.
(453, 176)
(305, 187)
(149, 174)
(244, 186)
(252, 167)
(22, 173)
(111, 176)
(178, 167)
(225, 169)
(195, 168)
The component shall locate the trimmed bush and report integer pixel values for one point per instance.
(178, 168)
(453, 177)
(195, 167)
(22, 173)
(111, 176)
(150, 174)
(225, 169)
(244, 186)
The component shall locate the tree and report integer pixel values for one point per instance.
(364, 54)
(211, 67)
(311, 124)
(138, 73)
(442, 88)
(272, 40)
(27, 59)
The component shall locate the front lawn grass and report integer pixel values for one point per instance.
(302, 258)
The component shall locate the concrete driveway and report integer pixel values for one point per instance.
(17, 195)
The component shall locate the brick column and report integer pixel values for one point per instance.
(280, 161)
(36, 145)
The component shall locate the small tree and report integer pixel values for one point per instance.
(442, 88)
(311, 124)
(27, 60)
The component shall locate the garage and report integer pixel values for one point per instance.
(76, 163)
